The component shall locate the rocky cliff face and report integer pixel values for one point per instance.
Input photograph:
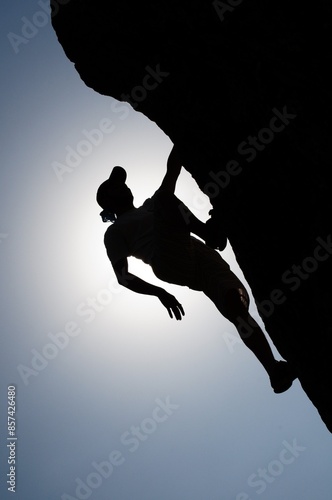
(243, 88)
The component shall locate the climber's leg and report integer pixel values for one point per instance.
(280, 373)
(249, 330)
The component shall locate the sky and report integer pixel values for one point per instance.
(113, 399)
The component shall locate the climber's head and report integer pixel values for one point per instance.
(114, 196)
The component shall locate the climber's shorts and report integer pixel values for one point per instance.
(182, 259)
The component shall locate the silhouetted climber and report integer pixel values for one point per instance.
(159, 234)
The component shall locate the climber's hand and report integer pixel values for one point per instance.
(173, 307)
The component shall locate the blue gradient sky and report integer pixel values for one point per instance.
(121, 358)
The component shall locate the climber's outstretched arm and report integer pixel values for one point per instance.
(173, 171)
(132, 282)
